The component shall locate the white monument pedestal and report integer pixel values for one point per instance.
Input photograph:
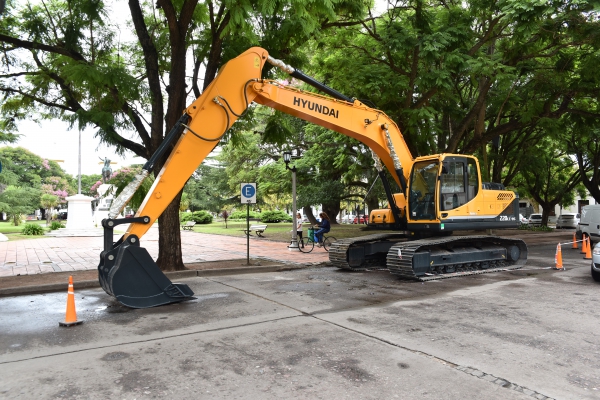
(79, 218)
(79, 214)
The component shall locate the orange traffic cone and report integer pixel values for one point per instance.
(574, 241)
(71, 316)
(588, 250)
(558, 258)
(583, 244)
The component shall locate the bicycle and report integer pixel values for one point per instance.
(307, 244)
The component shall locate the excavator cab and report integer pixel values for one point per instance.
(446, 194)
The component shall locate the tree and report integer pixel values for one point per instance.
(121, 178)
(76, 71)
(583, 139)
(87, 182)
(59, 187)
(225, 215)
(30, 169)
(17, 201)
(550, 178)
(48, 201)
(184, 204)
(457, 76)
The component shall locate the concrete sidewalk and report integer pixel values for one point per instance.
(47, 255)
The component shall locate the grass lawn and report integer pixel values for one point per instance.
(9, 227)
(281, 231)
(13, 232)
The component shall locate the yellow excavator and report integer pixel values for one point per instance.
(439, 193)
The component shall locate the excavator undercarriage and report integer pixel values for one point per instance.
(431, 258)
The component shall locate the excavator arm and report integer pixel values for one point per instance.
(237, 85)
(126, 270)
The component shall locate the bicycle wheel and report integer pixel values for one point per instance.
(327, 242)
(306, 245)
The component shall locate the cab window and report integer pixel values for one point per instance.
(473, 179)
(453, 180)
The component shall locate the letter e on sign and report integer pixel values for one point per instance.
(248, 193)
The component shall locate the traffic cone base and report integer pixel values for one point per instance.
(71, 314)
(558, 264)
(70, 323)
(588, 250)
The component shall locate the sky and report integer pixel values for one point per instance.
(53, 140)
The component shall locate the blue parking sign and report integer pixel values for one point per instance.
(248, 193)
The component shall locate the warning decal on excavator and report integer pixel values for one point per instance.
(257, 62)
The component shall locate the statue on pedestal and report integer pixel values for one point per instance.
(106, 170)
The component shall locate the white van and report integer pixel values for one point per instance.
(589, 224)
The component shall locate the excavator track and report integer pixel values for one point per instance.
(440, 258)
(431, 258)
(365, 252)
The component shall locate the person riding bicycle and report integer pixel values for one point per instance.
(323, 227)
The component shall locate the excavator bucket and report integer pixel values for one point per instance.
(127, 272)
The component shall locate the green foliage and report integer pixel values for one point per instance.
(199, 217)
(17, 201)
(26, 168)
(59, 187)
(87, 181)
(275, 216)
(208, 188)
(121, 178)
(56, 225)
(48, 201)
(32, 229)
(242, 215)
(184, 204)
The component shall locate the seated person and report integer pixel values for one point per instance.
(322, 228)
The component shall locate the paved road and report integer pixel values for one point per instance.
(319, 333)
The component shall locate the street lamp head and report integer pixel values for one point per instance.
(287, 157)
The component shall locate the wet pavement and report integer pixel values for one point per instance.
(319, 332)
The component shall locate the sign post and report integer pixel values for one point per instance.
(248, 196)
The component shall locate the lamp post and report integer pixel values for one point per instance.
(287, 157)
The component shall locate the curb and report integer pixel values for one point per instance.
(92, 284)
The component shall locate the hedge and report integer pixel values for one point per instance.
(199, 217)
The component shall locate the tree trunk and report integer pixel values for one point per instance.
(169, 238)
(332, 210)
(309, 214)
(372, 203)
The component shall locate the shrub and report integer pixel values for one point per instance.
(199, 217)
(275, 216)
(56, 225)
(32, 229)
(242, 215)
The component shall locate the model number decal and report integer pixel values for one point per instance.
(507, 218)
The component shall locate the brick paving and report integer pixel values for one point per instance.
(59, 254)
